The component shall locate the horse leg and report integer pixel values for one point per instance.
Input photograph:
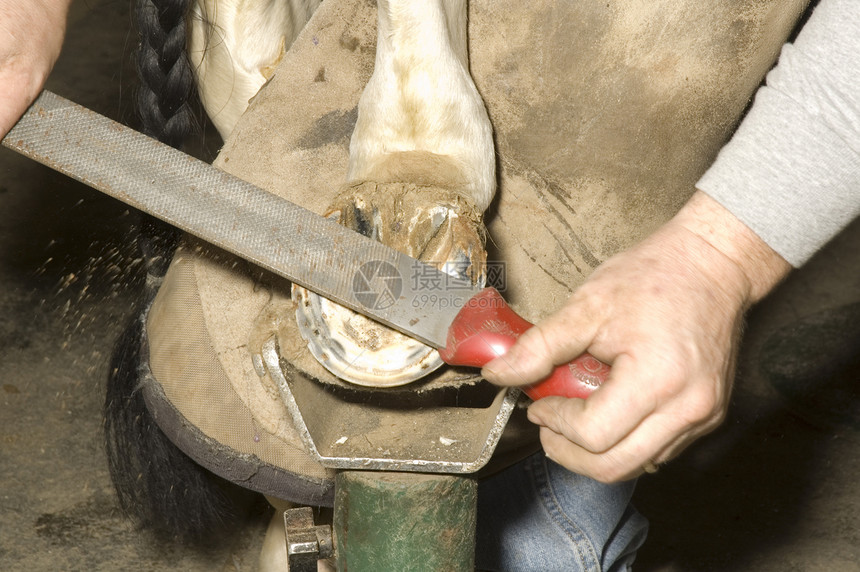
(421, 173)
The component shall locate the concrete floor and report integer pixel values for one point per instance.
(774, 489)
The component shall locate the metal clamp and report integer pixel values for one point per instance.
(340, 433)
(306, 543)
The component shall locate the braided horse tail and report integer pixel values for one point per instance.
(164, 100)
(157, 485)
(167, 80)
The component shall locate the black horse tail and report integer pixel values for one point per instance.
(157, 485)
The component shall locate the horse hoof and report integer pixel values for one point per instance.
(435, 225)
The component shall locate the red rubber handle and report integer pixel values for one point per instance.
(486, 328)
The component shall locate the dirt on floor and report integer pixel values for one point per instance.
(774, 489)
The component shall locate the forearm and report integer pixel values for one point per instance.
(792, 171)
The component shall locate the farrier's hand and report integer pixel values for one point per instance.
(31, 35)
(666, 314)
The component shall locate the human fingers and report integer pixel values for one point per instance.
(16, 95)
(655, 438)
(642, 451)
(609, 414)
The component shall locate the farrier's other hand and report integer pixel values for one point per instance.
(667, 315)
(31, 35)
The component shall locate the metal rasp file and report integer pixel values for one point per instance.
(469, 325)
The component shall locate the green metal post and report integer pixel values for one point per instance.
(397, 522)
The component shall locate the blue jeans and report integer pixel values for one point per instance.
(538, 516)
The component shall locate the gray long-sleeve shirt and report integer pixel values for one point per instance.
(792, 171)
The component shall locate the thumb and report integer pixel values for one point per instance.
(553, 341)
